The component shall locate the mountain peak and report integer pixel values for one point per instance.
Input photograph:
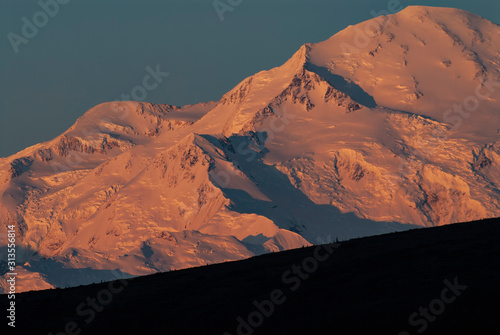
(417, 9)
(299, 59)
(385, 126)
(407, 54)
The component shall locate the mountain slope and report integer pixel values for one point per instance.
(388, 125)
(366, 286)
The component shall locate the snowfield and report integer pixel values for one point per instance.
(390, 124)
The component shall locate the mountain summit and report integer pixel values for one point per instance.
(388, 125)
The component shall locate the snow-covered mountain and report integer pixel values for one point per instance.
(388, 125)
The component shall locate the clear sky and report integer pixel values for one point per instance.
(92, 51)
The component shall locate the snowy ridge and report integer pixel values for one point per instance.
(374, 130)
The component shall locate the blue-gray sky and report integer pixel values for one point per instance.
(93, 51)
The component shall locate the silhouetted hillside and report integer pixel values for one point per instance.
(366, 286)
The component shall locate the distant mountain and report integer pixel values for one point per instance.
(441, 280)
(390, 124)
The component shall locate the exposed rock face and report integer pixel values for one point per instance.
(370, 131)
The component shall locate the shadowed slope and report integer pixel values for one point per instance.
(370, 285)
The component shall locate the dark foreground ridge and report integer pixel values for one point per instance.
(442, 280)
